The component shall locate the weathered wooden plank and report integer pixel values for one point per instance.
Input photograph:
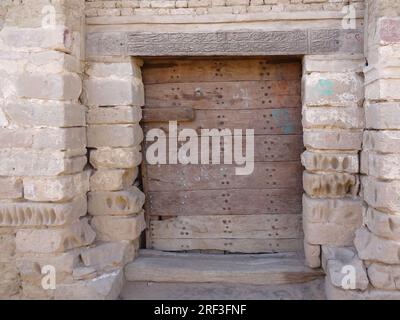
(263, 121)
(262, 269)
(267, 148)
(313, 290)
(221, 95)
(266, 226)
(168, 114)
(273, 102)
(193, 70)
(273, 175)
(224, 202)
(229, 245)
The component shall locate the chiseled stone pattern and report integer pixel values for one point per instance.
(95, 8)
(240, 42)
(333, 122)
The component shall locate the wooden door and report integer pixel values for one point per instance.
(208, 207)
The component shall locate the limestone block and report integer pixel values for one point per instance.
(113, 69)
(382, 195)
(388, 30)
(9, 280)
(7, 245)
(333, 89)
(383, 224)
(17, 138)
(60, 188)
(52, 62)
(329, 233)
(331, 221)
(4, 122)
(333, 63)
(383, 166)
(113, 179)
(30, 265)
(312, 255)
(116, 228)
(384, 70)
(382, 54)
(336, 253)
(9, 288)
(114, 115)
(29, 214)
(384, 115)
(364, 157)
(330, 184)
(341, 266)
(36, 292)
(60, 138)
(102, 92)
(383, 141)
(333, 139)
(108, 256)
(116, 157)
(330, 161)
(47, 61)
(114, 135)
(25, 162)
(58, 38)
(84, 273)
(340, 211)
(383, 89)
(334, 293)
(104, 287)
(372, 247)
(383, 276)
(43, 138)
(10, 188)
(46, 138)
(67, 86)
(116, 203)
(54, 240)
(44, 113)
(333, 117)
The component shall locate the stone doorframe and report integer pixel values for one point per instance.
(333, 121)
(43, 208)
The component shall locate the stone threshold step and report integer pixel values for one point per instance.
(313, 290)
(260, 269)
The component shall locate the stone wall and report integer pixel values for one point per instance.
(58, 110)
(114, 94)
(333, 122)
(43, 145)
(376, 260)
(96, 8)
(44, 172)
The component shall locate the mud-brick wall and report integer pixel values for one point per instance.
(95, 8)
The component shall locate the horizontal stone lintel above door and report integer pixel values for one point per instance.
(228, 43)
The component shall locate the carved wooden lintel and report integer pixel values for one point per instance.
(229, 43)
